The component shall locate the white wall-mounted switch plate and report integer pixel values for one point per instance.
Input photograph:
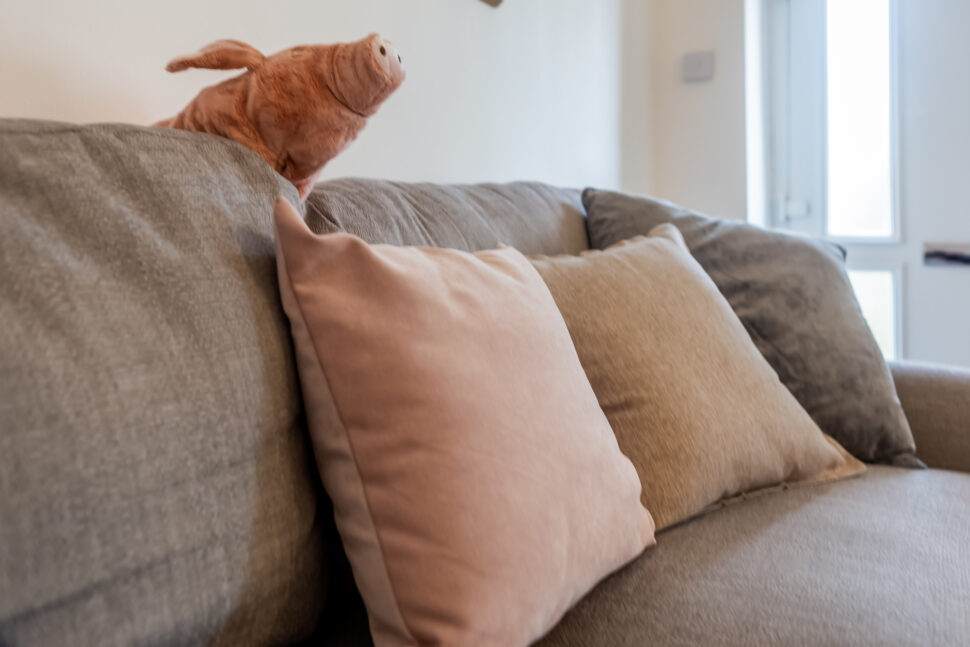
(697, 67)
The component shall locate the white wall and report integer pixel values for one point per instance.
(528, 91)
(697, 141)
(637, 105)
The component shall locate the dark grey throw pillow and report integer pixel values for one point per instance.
(794, 297)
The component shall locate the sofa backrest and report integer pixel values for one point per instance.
(156, 485)
(535, 218)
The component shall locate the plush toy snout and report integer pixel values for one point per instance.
(389, 58)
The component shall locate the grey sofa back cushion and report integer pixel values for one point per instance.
(533, 217)
(794, 297)
(156, 485)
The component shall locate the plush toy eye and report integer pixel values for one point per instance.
(383, 51)
(399, 58)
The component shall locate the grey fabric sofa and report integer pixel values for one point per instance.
(156, 482)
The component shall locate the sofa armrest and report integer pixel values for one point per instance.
(936, 400)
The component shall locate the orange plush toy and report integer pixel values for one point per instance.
(297, 108)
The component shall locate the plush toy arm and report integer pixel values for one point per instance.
(220, 55)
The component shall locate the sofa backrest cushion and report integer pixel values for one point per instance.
(532, 217)
(156, 483)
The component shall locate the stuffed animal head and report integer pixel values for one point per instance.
(363, 74)
(299, 107)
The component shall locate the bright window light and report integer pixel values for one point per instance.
(859, 113)
(876, 292)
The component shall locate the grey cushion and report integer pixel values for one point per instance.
(794, 297)
(882, 559)
(535, 218)
(156, 485)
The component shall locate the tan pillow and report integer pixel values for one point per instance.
(693, 403)
(477, 486)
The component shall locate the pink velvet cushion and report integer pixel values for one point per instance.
(477, 486)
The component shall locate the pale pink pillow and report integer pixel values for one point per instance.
(477, 486)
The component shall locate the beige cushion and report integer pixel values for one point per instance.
(693, 403)
(794, 297)
(477, 486)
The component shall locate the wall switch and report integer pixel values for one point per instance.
(697, 67)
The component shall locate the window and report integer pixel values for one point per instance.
(827, 73)
(830, 111)
(876, 291)
(858, 110)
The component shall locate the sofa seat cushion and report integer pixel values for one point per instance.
(883, 559)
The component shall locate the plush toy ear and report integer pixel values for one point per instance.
(220, 55)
